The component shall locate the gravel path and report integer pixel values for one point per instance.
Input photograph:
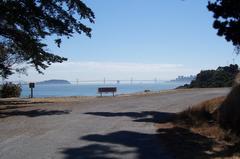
(109, 127)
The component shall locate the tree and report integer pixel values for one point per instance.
(24, 24)
(227, 20)
(221, 77)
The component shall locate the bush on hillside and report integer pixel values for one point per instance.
(9, 90)
(221, 77)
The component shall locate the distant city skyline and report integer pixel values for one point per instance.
(143, 40)
(109, 71)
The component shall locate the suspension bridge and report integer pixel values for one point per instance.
(103, 81)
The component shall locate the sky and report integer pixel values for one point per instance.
(140, 39)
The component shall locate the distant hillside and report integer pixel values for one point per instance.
(221, 77)
(54, 81)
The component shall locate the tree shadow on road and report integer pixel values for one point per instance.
(19, 102)
(12, 107)
(19, 107)
(144, 116)
(93, 151)
(140, 144)
(168, 142)
(32, 113)
(185, 144)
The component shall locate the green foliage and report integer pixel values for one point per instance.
(9, 90)
(227, 15)
(222, 77)
(25, 24)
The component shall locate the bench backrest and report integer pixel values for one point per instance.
(107, 89)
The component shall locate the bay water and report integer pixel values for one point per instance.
(61, 90)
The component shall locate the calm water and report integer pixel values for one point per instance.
(91, 89)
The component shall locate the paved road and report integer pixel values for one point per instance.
(121, 127)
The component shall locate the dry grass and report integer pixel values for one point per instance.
(197, 134)
(203, 118)
(197, 143)
(201, 113)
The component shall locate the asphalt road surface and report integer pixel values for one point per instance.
(108, 127)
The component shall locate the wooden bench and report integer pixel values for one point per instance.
(107, 90)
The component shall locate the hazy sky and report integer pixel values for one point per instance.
(141, 39)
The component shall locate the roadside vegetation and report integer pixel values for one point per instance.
(215, 123)
(221, 77)
(9, 90)
(225, 111)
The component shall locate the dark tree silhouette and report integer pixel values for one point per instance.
(227, 19)
(221, 77)
(227, 22)
(24, 24)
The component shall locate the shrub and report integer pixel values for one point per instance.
(221, 77)
(9, 90)
(229, 112)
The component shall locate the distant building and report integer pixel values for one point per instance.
(186, 79)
